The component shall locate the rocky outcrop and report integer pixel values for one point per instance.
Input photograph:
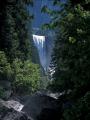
(11, 110)
(41, 107)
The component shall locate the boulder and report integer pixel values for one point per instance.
(8, 111)
(37, 105)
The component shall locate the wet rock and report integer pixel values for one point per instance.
(9, 112)
(12, 104)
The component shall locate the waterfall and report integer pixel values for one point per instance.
(39, 42)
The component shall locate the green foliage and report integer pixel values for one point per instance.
(71, 57)
(22, 18)
(79, 111)
(5, 68)
(27, 76)
(17, 47)
(71, 47)
(14, 38)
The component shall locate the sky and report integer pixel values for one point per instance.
(40, 18)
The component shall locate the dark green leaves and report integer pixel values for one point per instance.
(28, 2)
(71, 58)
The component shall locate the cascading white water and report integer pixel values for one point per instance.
(39, 42)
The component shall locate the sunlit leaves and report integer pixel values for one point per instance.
(70, 17)
(80, 31)
(72, 40)
(27, 76)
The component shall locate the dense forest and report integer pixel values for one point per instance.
(20, 69)
(16, 47)
(71, 56)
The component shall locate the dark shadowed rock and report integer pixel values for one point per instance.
(40, 105)
(50, 114)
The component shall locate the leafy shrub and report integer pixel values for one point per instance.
(27, 76)
(5, 68)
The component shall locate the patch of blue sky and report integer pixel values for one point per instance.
(39, 17)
